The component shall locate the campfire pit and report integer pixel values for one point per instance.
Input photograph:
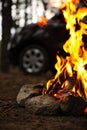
(31, 98)
(66, 93)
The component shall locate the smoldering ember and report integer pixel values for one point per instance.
(66, 93)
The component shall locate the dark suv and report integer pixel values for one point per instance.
(34, 48)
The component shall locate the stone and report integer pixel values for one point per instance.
(73, 105)
(43, 105)
(28, 91)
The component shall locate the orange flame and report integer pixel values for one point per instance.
(43, 21)
(85, 111)
(75, 64)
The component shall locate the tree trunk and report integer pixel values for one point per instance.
(6, 26)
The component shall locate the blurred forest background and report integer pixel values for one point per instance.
(15, 14)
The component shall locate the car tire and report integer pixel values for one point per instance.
(34, 59)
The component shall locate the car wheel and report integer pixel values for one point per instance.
(34, 59)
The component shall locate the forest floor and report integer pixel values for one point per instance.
(13, 117)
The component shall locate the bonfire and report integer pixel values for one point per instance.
(66, 93)
(71, 76)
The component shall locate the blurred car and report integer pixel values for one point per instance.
(34, 47)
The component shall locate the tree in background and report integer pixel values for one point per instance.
(6, 25)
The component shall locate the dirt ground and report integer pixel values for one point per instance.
(13, 117)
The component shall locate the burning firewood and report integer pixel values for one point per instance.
(80, 88)
(71, 71)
